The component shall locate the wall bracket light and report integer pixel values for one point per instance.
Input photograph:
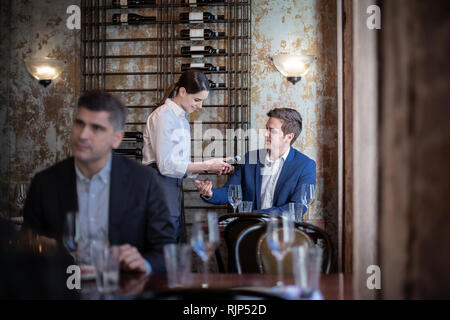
(293, 67)
(45, 70)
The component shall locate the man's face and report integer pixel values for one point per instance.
(276, 141)
(93, 136)
(192, 102)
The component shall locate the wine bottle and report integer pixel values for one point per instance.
(130, 152)
(199, 17)
(201, 1)
(200, 51)
(129, 135)
(131, 18)
(201, 66)
(213, 85)
(131, 3)
(200, 34)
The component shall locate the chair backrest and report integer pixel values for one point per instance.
(266, 260)
(246, 248)
(232, 232)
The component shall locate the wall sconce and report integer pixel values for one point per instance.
(293, 67)
(44, 70)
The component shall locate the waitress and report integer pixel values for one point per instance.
(167, 142)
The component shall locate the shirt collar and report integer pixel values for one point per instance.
(103, 174)
(283, 156)
(179, 111)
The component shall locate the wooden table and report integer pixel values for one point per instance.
(333, 286)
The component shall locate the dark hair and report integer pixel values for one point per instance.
(292, 121)
(192, 80)
(97, 100)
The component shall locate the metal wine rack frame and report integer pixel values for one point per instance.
(96, 38)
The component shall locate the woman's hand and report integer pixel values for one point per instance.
(218, 165)
(204, 187)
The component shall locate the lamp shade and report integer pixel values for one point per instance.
(44, 69)
(294, 67)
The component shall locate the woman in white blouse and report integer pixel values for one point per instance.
(167, 142)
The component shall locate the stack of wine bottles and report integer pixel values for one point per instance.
(131, 151)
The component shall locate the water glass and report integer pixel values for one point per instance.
(296, 209)
(234, 196)
(246, 206)
(178, 264)
(307, 266)
(105, 258)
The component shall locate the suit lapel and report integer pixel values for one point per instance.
(118, 189)
(285, 172)
(68, 187)
(66, 192)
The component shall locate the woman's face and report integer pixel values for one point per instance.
(191, 102)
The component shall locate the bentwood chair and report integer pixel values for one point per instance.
(232, 231)
(253, 255)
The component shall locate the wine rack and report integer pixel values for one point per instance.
(138, 62)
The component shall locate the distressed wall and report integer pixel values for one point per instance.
(38, 117)
(301, 27)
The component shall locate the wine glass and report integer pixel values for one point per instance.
(307, 195)
(204, 240)
(71, 234)
(20, 195)
(234, 196)
(280, 237)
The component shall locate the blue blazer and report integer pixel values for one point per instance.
(298, 169)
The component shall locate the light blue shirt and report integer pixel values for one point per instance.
(93, 208)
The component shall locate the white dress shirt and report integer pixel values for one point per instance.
(270, 174)
(167, 140)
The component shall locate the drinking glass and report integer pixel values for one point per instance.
(20, 195)
(178, 264)
(307, 266)
(296, 209)
(105, 259)
(280, 237)
(246, 206)
(71, 235)
(234, 196)
(307, 195)
(204, 240)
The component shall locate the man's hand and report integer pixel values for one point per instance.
(130, 259)
(218, 166)
(204, 187)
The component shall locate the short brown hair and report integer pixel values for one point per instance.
(292, 121)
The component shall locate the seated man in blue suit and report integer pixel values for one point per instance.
(271, 177)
